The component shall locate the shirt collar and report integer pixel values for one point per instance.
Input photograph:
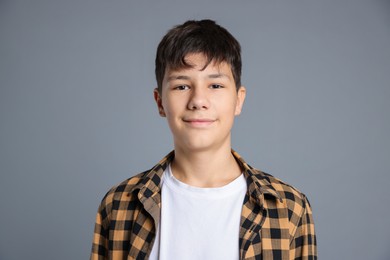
(150, 183)
(257, 181)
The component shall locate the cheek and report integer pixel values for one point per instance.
(168, 109)
(171, 114)
(230, 107)
(165, 105)
(174, 106)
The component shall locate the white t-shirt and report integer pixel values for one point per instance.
(199, 223)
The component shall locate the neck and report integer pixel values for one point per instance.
(205, 168)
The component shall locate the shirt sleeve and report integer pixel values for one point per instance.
(304, 244)
(100, 236)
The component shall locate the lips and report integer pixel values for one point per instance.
(199, 122)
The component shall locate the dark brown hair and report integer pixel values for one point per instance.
(204, 36)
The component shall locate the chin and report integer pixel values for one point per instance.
(195, 146)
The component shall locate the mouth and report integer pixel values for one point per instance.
(199, 122)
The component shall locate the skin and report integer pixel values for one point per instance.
(200, 106)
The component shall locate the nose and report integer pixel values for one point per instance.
(198, 99)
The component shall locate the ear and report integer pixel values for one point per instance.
(157, 98)
(241, 94)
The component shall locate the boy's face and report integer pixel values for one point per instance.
(200, 105)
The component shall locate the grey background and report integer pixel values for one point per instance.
(77, 114)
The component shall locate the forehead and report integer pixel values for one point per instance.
(198, 63)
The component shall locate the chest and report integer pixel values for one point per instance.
(197, 224)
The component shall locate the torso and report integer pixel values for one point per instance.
(199, 223)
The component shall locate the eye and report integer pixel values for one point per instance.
(216, 86)
(182, 87)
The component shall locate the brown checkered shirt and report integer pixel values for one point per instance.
(276, 219)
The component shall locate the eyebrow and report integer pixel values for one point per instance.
(178, 77)
(218, 75)
(210, 76)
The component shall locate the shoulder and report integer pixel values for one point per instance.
(291, 197)
(287, 191)
(127, 194)
(125, 191)
(262, 184)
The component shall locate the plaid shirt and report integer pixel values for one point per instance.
(276, 219)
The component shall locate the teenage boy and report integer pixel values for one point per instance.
(202, 201)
